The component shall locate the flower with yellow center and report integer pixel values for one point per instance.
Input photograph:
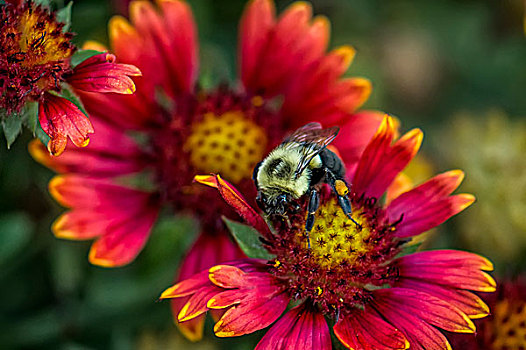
(172, 129)
(505, 329)
(36, 65)
(377, 294)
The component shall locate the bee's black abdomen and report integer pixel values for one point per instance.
(333, 163)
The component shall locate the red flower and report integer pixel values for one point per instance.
(505, 328)
(185, 130)
(36, 59)
(378, 297)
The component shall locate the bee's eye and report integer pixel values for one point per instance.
(282, 198)
(261, 201)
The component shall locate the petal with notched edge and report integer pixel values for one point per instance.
(60, 119)
(100, 73)
(299, 329)
(451, 268)
(433, 310)
(381, 161)
(428, 205)
(360, 330)
(210, 248)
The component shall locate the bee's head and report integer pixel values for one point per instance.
(274, 203)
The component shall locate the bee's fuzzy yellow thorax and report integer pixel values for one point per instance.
(277, 171)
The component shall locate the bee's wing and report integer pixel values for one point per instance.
(312, 139)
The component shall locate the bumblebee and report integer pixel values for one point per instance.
(298, 167)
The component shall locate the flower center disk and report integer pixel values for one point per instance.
(507, 330)
(345, 261)
(35, 54)
(335, 239)
(228, 144)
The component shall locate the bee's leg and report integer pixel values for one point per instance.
(314, 203)
(341, 189)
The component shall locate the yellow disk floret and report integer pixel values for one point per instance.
(228, 144)
(508, 327)
(41, 39)
(335, 238)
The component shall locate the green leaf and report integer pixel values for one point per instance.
(45, 3)
(15, 234)
(12, 126)
(247, 238)
(64, 16)
(81, 55)
(30, 116)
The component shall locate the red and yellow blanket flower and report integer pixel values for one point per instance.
(376, 294)
(38, 63)
(505, 328)
(172, 130)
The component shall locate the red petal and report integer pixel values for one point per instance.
(428, 205)
(60, 119)
(124, 111)
(122, 34)
(255, 312)
(431, 309)
(258, 299)
(100, 73)
(288, 47)
(236, 201)
(111, 153)
(360, 330)
(450, 268)
(210, 248)
(471, 304)
(166, 44)
(80, 225)
(196, 304)
(227, 276)
(188, 286)
(355, 134)
(201, 279)
(300, 329)
(122, 242)
(254, 28)
(419, 333)
(313, 90)
(424, 217)
(122, 216)
(381, 161)
(181, 30)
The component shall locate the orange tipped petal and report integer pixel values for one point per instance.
(361, 330)
(381, 161)
(429, 204)
(236, 201)
(100, 73)
(60, 118)
(299, 328)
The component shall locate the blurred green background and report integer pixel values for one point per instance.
(457, 69)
